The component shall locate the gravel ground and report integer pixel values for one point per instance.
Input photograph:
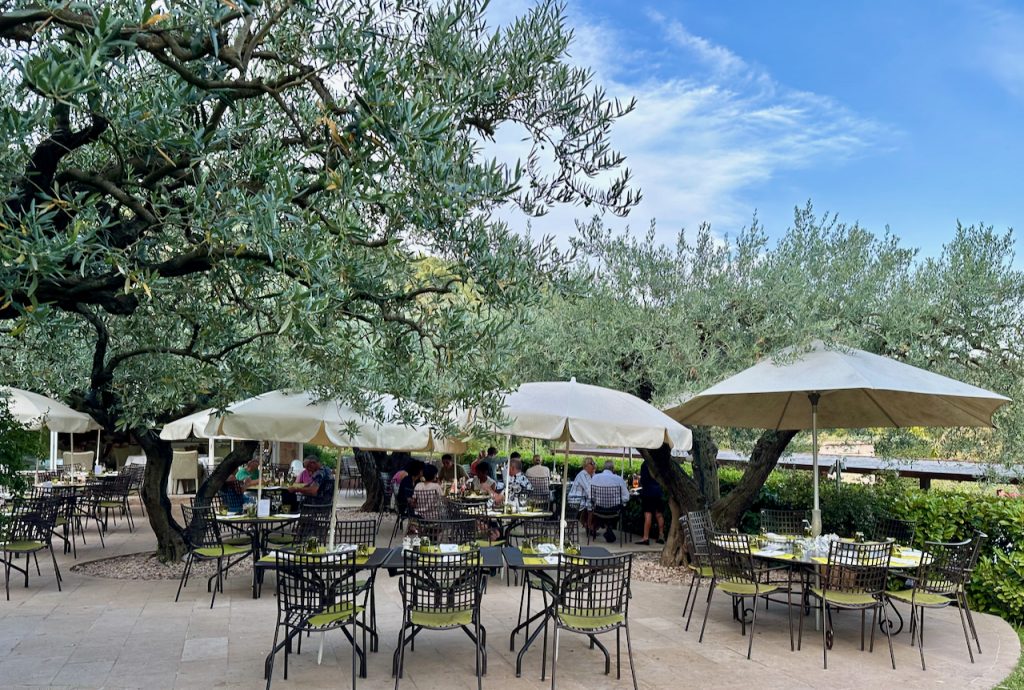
(145, 566)
(646, 568)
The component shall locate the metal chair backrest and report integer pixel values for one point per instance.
(700, 528)
(358, 532)
(33, 519)
(789, 522)
(550, 531)
(605, 499)
(310, 584)
(314, 522)
(945, 567)
(430, 505)
(730, 558)
(900, 531)
(593, 587)
(463, 509)
(201, 528)
(852, 567)
(459, 531)
(435, 583)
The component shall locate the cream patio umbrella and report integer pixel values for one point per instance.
(837, 388)
(299, 416)
(35, 411)
(568, 411)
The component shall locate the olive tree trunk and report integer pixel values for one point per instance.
(728, 511)
(225, 469)
(370, 464)
(170, 542)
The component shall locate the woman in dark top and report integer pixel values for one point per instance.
(414, 472)
(652, 501)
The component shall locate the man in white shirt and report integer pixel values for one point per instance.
(608, 478)
(579, 491)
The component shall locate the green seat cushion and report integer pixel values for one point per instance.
(921, 599)
(442, 619)
(22, 546)
(845, 598)
(333, 614)
(702, 570)
(594, 620)
(237, 541)
(281, 539)
(747, 589)
(61, 521)
(110, 504)
(221, 551)
(488, 542)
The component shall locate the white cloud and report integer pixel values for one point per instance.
(703, 138)
(999, 46)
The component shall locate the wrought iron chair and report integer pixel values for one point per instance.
(900, 531)
(940, 581)
(592, 598)
(112, 497)
(457, 531)
(28, 531)
(607, 508)
(854, 577)
(67, 525)
(538, 532)
(203, 538)
(696, 526)
(733, 567)
(441, 592)
(787, 522)
(316, 594)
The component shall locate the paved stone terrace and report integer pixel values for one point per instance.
(131, 634)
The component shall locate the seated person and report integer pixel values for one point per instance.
(609, 479)
(579, 492)
(233, 495)
(249, 473)
(450, 472)
(427, 499)
(482, 481)
(320, 486)
(519, 487)
(406, 487)
(538, 470)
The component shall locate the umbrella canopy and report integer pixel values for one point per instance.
(36, 412)
(298, 416)
(837, 388)
(576, 412)
(857, 390)
(590, 415)
(189, 426)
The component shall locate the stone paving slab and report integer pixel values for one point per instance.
(131, 634)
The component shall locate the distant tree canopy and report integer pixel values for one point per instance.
(204, 200)
(666, 321)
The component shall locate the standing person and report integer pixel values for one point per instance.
(652, 501)
(579, 492)
(450, 471)
(610, 479)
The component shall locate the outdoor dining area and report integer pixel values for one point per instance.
(324, 595)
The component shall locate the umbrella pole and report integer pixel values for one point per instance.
(98, 432)
(565, 491)
(816, 513)
(259, 486)
(334, 509)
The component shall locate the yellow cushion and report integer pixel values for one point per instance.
(110, 504)
(921, 599)
(595, 620)
(23, 546)
(221, 551)
(333, 614)
(442, 619)
(746, 589)
(845, 598)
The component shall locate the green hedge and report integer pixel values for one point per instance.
(998, 583)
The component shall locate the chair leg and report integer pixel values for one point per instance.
(693, 604)
(920, 645)
(825, 621)
(184, 575)
(962, 603)
(689, 593)
(888, 635)
(554, 658)
(707, 609)
(56, 568)
(967, 637)
(753, 623)
(629, 653)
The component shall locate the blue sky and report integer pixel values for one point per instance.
(906, 114)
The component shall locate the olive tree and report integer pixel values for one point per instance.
(203, 200)
(664, 322)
